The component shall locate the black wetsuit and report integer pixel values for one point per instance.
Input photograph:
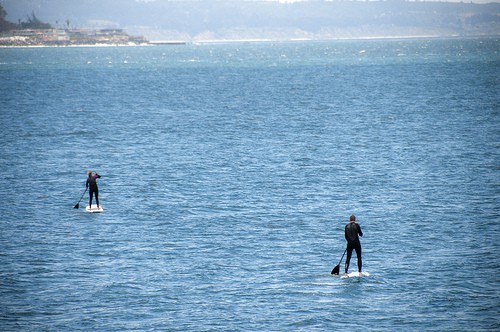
(352, 230)
(93, 189)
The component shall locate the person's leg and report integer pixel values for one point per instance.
(97, 197)
(91, 193)
(360, 261)
(348, 258)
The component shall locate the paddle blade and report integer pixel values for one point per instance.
(77, 205)
(336, 270)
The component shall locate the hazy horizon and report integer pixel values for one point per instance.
(191, 20)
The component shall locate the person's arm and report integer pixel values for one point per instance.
(97, 176)
(359, 230)
(87, 184)
(345, 233)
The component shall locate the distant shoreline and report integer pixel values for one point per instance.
(220, 41)
(242, 41)
(68, 37)
(74, 46)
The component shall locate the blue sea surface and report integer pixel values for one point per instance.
(228, 174)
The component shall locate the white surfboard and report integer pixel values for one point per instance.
(355, 274)
(94, 208)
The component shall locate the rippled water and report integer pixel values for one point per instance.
(228, 173)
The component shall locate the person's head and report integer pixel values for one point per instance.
(89, 173)
(352, 218)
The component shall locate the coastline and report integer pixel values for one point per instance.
(68, 37)
(241, 41)
(74, 45)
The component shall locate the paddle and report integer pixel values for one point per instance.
(336, 269)
(78, 204)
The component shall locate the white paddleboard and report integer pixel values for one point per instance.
(355, 274)
(94, 208)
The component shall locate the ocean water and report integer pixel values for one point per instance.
(228, 174)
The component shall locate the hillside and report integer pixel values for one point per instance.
(230, 20)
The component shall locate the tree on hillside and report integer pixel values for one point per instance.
(34, 23)
(4, 24)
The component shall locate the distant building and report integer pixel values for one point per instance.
(33, 37)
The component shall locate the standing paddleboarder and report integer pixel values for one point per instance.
(352, 230)
(92, 186)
